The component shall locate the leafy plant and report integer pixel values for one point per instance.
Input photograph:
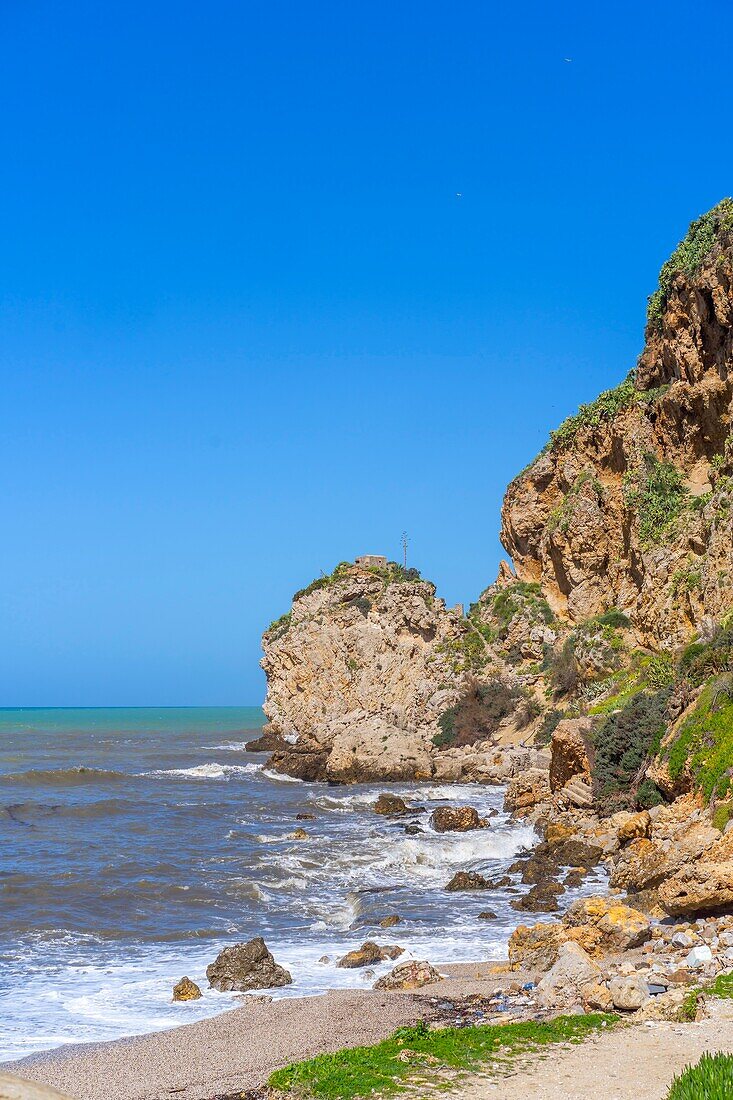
(626, 739)
(605, 407)
(477, 714)
(689, 256)
(704, 743)
(656, 494)
(615, 618)
(710, 1079)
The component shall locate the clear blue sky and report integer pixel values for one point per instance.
(248, 329)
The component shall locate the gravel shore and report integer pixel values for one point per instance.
(240, 1048)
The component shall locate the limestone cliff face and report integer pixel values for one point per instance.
(357, 675)
(631, 504)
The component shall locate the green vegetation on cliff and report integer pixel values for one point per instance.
(657, 496)
(689, 255)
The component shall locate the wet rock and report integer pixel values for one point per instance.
(305, 817)
(556, 833)
(487, 914)
(540, 899)
(468, 880)
(578, 853)
(324, 959)
(390, 805)
(456, 819)
(628, 992)
(390, 921)
(409, 975)
(535, 947)
(245, 966)
(413, 829)
(298, 834)
(563, 984)
(369, 954)
(186, 990)
(574, 878)
(639, 826)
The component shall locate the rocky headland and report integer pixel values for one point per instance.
(594, 676)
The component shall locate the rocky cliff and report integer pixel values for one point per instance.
(618, 615)
(358, 673)
(629, 504)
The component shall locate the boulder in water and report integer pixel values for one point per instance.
(468, 880)
(186, 990)
(245, 966)
(369, 954)
(390, 805)
(456, 819)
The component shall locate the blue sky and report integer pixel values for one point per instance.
(248, 328)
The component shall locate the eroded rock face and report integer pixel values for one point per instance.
(699, 887)
(245, 966)
(571, 974)
(357, 676)
(536, 947)
(568, 522)
(570, 752)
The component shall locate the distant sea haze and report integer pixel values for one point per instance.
(136, 843)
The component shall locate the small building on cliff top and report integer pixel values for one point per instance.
(367, 561)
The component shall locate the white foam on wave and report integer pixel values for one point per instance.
(229, 746)
(278, 777)
(209, 771)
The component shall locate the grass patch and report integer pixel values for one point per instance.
(710, 1079)
(379, 1068)
(706, 742)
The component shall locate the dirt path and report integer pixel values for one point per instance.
(635, 1063)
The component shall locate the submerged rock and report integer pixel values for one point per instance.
(409, 975)
(245, 966)
(468, 880)
(390, 921)
(390, 805)
(186, 990)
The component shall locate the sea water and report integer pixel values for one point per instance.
(136, 843)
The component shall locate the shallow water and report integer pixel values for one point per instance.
(134, 844)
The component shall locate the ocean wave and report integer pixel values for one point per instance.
(229, 746)
(56, 777)
(209, 771)
(278, 777)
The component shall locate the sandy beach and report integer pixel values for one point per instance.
(239, 1049)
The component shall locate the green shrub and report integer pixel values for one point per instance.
(689, 255)
(564, 673)
(626, 740)
(702, 660)
(722, 815)
(648, 795)
(279, 627)
(710, 1079)
(477, 714)
(605, 407)
(656, 494)
(705, 744)
(548, 725)
(614, 618)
